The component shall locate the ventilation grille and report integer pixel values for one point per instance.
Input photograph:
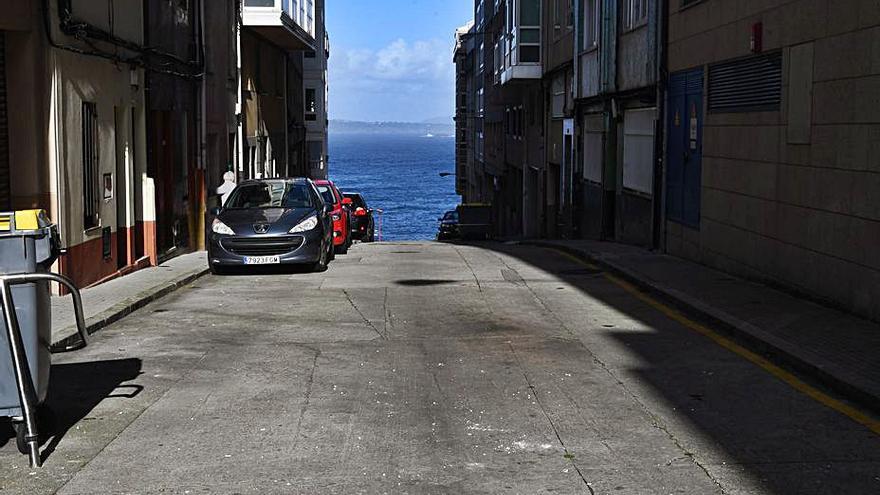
(754, 83)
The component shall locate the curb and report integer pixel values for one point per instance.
(753, 337)
(126, 307)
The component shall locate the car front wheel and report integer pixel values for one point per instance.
(323, 260)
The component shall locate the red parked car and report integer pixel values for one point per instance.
(340, 215)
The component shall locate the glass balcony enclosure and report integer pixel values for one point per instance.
(287, 23)
(522, 40)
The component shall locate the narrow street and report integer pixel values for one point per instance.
(430, 368)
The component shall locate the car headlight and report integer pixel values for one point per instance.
(221, 228)
(306, 225)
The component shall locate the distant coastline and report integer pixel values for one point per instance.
(425, 129)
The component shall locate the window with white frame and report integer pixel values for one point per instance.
(591, 24)
(635, 13)
(522, 32)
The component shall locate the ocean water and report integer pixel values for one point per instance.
(398, 174)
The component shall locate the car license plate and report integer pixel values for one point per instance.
(262, 260)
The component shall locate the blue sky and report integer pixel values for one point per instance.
(392, 59)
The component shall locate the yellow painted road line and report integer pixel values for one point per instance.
(856, 415)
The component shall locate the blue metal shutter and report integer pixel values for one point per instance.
(754, 83)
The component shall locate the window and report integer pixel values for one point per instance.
(91, 198)
(271, 194)
(523, 30)
(480, 57)
(635, 13)
(591, 24)
(311, 103)
(480, 102)
(499, 59)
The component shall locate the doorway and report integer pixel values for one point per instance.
(685, 147)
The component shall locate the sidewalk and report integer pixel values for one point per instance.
(110, 301)
(839, 349)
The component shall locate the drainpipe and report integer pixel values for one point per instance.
(202, 122)
(659, 223)
(239, 96)
(578, 84)
(286, 116)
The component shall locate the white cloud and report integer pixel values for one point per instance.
(418, 61)
(401, 80)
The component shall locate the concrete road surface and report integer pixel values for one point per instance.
(430, 368)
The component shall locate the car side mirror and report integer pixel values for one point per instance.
(214, 211)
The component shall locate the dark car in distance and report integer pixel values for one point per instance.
(272, 222)
(448, 226)
(362, 223)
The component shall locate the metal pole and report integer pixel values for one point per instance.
(28, 278)
(26, 393)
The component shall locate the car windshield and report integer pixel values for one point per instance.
(327, 192)
(271, 195)
(451, 216)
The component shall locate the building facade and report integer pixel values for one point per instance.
(94, 157)
(615, 179)
(120, 117)
(463, 58)
(772, 169)
(172, 122)
(220, 93)
(274, 36)
(554, 207)
(742, 138)
(316, 90)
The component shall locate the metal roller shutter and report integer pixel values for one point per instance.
(5, 202)
(754, 83)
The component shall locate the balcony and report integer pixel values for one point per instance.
(522, 41)
(287, 23)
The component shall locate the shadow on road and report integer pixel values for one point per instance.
(245, 271)
(75, 389)
(423, 282)
(780, 439)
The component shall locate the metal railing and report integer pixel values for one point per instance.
(24, 382)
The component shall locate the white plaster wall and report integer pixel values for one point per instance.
(78, 79)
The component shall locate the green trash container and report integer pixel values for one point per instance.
(28, 245)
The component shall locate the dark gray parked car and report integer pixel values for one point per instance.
(272, 222)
